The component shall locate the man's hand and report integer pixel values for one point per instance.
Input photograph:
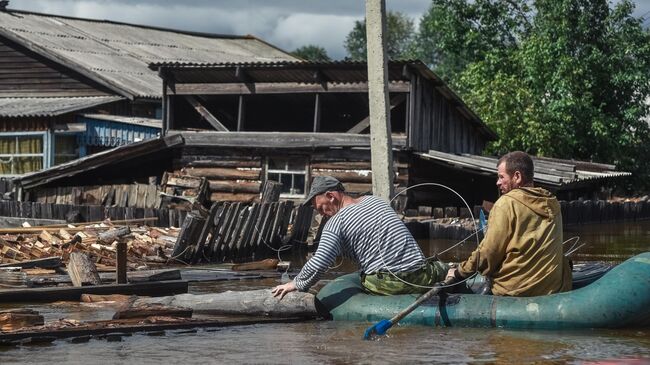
(452, 273)
(283, 289)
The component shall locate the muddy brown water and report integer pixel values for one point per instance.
(327, 342)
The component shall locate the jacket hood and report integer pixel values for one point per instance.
(539, 200)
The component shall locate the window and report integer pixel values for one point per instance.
(291, 172)
(65, 148)
(21, 154)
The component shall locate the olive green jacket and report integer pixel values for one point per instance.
(522, 250)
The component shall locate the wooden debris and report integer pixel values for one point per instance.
(53, 294)
(266, 264)
(14, 319)
(82, 271)
(50, 249)
(93, 298)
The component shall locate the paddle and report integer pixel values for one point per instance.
(384, 325)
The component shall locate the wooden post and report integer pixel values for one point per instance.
(271, 191)
(241, 113)
(82, 270)
(121, 262)
(317, 113)
(380, 130)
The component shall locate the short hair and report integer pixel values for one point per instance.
(518, 161)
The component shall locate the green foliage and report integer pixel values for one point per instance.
(561, 78)
(399, 38)
(312, 52)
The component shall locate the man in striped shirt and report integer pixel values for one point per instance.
(367, 231)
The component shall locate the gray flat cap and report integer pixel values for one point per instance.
(323, 184)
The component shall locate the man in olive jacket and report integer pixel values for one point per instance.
(522, 250)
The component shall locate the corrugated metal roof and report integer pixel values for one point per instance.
(553, 172)
(117, 54)
(140, 121)
(49, 107)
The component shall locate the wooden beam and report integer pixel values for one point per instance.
(317, 113)
(205, 113)
(74, 293)
(365, 123)
(280, 139)
(241, 113)
(276, 88)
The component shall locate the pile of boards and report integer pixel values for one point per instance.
(146, 246)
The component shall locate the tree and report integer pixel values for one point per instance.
(400, 35)
(570, 78)
(312, 52)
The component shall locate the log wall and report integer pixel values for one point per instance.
(238, 176)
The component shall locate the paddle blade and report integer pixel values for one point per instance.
(378, 329)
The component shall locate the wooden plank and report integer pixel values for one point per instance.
(276, 88)
(189, 162)
(235, 230)
(227, 186)
(223, 173)
(74, 293)
(99, 328)
(365, 122)
(82, 270)
(43, 263)
(208, 227)
(284, 140)
(240, 198)
(205, 113)
(243, 244)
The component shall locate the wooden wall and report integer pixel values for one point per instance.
(239, 175)
(436, 122)
(23, 73)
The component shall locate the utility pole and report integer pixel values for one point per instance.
(380, 132)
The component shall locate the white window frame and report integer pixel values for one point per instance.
(45, 154)
(304, 172)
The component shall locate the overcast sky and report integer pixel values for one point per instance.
(287, 24)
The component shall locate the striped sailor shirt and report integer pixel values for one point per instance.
(370, 234)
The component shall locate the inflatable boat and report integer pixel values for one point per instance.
(620, 298)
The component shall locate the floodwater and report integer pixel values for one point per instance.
(327, 342)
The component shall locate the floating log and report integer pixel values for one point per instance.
(252, 303)
(93, 298)
(148, 310)
(74, 293)
(267, 264)
(82, 271)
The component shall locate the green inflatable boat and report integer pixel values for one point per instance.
(618, 299)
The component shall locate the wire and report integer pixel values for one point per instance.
(476, 231)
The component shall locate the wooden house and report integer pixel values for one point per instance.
(71, 87)
(239, 124)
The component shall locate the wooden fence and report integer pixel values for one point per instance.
(235, 231)
(89, 213)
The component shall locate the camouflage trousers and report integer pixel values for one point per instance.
(385, 283)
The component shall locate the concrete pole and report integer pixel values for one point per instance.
(380, 131)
